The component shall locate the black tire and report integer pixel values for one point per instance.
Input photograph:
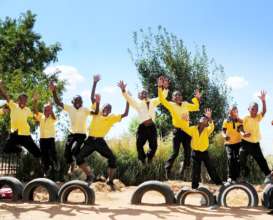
(48, 184)
(157, 186)
(207, 196)
(15, 185)
(267, 199)
(68, 187)
(251, 192)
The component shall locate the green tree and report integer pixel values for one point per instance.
(162, 53)
(23, 58)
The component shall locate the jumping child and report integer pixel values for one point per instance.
(146, 131)
(251, 139)
(233, 140)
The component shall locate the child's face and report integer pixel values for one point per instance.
(253, 110)
(106, 110)
(204, 121)
(77, 102)
(47, 111)
(143, 95)
(234, 113)
(22, 101)
(177, 97)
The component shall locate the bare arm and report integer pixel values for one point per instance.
(3, 92)
(96, 78)
(53, 89)
(97, 101)
(125, 114)
(262, 97)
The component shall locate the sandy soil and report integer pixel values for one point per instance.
(116, 206)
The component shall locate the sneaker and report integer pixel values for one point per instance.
(268, 179)
(89, 179)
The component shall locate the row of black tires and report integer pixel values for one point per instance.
(61, 194)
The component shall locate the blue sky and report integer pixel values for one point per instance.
(95, 36)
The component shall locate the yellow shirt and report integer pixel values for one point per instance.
(144, 112)
(199, 142)
(18, 118)
(232, 131)
(180, 110)
(78, 119)
(251, 125)
(47, 125)
(100, 125)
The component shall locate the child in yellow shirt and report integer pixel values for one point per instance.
(99, 127)
(19, 127)
(251, 139)
(233, 140)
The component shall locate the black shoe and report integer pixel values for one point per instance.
(111, 184)
(89, 179)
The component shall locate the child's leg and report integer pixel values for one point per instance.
(45, 154)
(243, 153)
(106, 152)
(152, 139)
(68, 147)
(77, 143)
(87, 149)
(236, 150)
(186, 141)
(211, 169)
(177, 140)
(141, 139)
(196, 169)
(12, 144)
(256, 152)
(30, 145)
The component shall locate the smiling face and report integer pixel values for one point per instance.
(48, 110)
(177, 97)
(22, 100)
(106, 110)
(77, 102)
(253, 109)
(143, 95)
(233, 112)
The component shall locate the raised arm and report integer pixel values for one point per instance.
(97, 109)
(96, 78)
(3, 92)
(194, 106)
(34, 103)
(53, 89)
(125, 94)
(208, 114)
(126, 112)
(263, 99)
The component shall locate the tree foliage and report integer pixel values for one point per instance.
(163, 53)
(23, 58)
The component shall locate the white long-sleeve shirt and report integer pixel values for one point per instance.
(144, 112)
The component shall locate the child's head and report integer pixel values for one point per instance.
(233, 111)
(203, 121)
(77, 101)
(22, 100)
(143, 94)
(253, 109)
(48, 111)
(106, 109)
(177, 97)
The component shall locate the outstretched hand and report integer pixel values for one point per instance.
(52, 86)
(262, 96)
(122, 85)
(208, 113)
(197, 94)
(96, 78)
(160, 81)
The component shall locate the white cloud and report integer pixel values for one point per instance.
(86, 94)
(236, 82)
(68, 73)
(110, 90)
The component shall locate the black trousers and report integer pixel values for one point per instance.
(49, 154)
(180, 137)
(197, 158)
(73, 146)
(254, 149)
(232, 151)
(144, 134)
(96, 144)
(15, 141)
